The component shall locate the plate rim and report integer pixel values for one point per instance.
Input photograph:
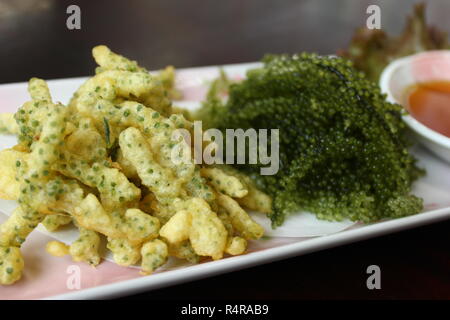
(205, 270)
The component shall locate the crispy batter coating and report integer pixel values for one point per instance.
(105, 164)
(225, 183)
(125, 253)
(8, 124)
(10, 161)
(240, 219)
(154, 254)
(11, 265)
(236, 246)
(86, 247)
(54, 222)
(57, 248)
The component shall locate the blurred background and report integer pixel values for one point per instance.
(34, 39)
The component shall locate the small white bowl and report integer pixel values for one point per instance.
(400, 74)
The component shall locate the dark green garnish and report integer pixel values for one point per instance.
(107, 132)
(343, 150)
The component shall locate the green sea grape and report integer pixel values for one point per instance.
(343, 149)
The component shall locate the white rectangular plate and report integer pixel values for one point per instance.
(47, 277)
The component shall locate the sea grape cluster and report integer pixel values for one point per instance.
(343, 149)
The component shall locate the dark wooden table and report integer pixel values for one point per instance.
(34, 41)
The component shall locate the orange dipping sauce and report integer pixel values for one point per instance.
(429, 103)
